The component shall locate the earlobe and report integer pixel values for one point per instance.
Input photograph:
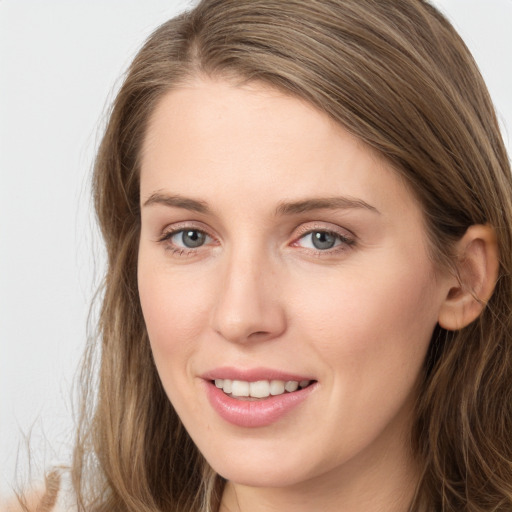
(477, 272)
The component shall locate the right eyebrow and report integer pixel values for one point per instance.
(177, 201)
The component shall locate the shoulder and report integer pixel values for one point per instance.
(42, 498)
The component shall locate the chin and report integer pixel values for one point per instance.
(275, 464)
(251, 475)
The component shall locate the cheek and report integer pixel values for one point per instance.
(371, 325)
(175, 311)
(371, 334)
(175, 314)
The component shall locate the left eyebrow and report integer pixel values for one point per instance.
(328, 203)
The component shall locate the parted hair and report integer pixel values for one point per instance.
(396, 75)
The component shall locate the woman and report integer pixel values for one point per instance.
(307, 208)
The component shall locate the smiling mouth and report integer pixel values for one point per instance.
(261, 389)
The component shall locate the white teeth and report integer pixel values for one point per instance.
(240, 388)
(291, 385)
(227, 386)
(260, 388)
(276, 387)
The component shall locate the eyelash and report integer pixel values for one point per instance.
(181, 251)
(345, 242)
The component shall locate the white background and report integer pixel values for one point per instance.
(60, 63)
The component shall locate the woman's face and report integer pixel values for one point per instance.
(281, 258)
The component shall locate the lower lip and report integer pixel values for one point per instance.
(257, 413)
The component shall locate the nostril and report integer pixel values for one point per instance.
(258, 335)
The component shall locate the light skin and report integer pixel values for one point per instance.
(261, 184)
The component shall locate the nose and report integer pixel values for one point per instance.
(248, 306)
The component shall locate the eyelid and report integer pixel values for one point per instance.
(346, 237)
(171, 230)
(176, 227)
(310, 227)
(171, 234)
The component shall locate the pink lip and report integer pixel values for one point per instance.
(257, 413)
(252, 374)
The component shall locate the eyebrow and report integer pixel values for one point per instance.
(328, 203)
(177, 201)
(284, 208)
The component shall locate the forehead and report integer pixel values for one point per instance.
(211, 137)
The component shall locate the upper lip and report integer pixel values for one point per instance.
(253, 374)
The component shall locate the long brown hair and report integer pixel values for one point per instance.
(395, 74)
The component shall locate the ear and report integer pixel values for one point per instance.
(477, 272)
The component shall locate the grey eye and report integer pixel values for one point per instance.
(189, 238)
(323, 240)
